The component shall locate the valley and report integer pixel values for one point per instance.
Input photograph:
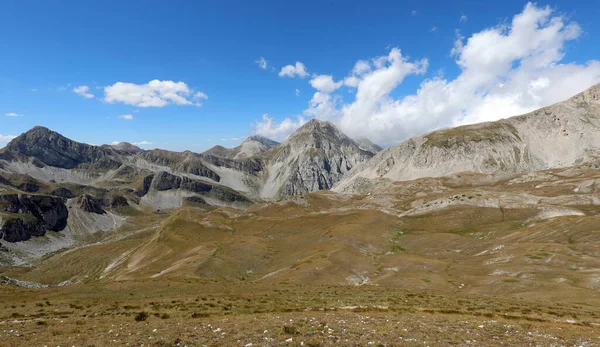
(487, 234)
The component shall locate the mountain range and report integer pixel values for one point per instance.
(56, 193)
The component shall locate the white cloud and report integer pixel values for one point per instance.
(322, 106)
(152, 94)
(325, 83)
(126, 117)
(83, 91)
(413, 12)
(268, 127)
(262, 63)
(200, 95)
(33, 89)
(294, 70)
(12, 114)
(297, 92)
(463, 18)
(505, 70)
(433, 28)
(361, 67)
(6, 138)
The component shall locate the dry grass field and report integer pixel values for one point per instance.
(464, 260)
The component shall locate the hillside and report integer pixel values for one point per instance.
(561, 135)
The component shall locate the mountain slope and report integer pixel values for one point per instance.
(560, 135)
(251, 147)
(314, 157)
(53, 149)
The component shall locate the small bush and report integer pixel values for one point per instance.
(200, 314)
(141, 316)
(290, 330)
(42, 322)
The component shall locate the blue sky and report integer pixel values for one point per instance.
(422, 67)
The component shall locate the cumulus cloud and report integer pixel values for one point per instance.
(463, 18)
(270, 128)
(297, 92)
(126, 117)
(12, 114)
(83, 91)
(325, 83)
(505, 70)
(294, 70)
(152, 94)
(6, 138)
(262, 63)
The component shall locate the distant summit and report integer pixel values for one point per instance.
(125, 147)
(251, 146)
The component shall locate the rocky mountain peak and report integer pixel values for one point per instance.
(261, 139)
(126, 147)
(366, 145)
(51, 148)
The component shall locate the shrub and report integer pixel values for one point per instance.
(290, 330)
(141, 316)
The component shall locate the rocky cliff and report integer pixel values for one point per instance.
(315, 157)
(24, 216)
(51, 148)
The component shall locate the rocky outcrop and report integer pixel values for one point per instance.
(195, 199)
(21, 229)
(118, 201)
(90, 204)
(63, 193)
(164, 181)
(5, 181)
(31, 215)
(561, 135)
(187, 162)
(145, 187)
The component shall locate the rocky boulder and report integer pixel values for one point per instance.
(90, 204)
(63, 193)
(118, 201)
(31, 215)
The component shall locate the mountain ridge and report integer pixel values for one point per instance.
(560, 135)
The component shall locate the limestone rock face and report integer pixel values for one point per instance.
(315, 157)
(560, 135)
(31, 215)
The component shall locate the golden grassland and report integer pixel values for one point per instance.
(197, 312)
(464, 260)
